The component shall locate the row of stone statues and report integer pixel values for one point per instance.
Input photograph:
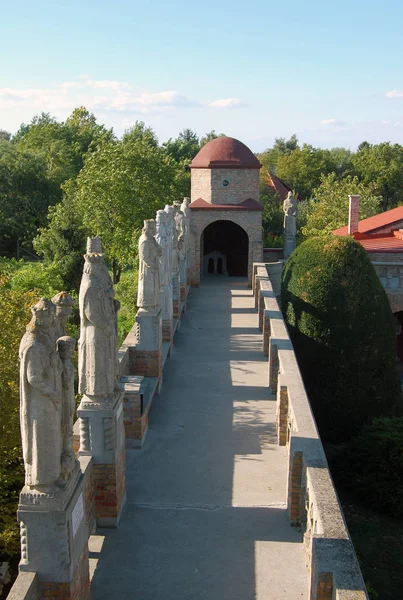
(163, 246)
(47, 372)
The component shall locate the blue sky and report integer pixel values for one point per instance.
(332, 73)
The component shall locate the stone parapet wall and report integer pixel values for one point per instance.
(26, 587)
(312, 501)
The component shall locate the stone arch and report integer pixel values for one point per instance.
(249, 220)
(229, 239)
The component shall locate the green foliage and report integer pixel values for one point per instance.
(122, 184)
(328, 209)
(14, 316)
(302, 168)
(374, 476)
(126, 293)
(381, 166)
(343, 330)
(25, 193)
(44, 279)
(62, 243)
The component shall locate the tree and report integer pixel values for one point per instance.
(120, 185)
(212, 135)
(328, 209)
(302, 168)
(344, 335)
(25, 193)
(5, 135)
(62, 242)
(381, 165)
(184, 148)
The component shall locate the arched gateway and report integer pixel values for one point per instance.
(226, 212)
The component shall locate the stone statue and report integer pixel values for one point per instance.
(179, 219)
(162, 241)
(65, 346)
(186, 217)
(170, 211)
(290, 209)
(64, 305)
(148, 294)
(40, 392)
(175, 250)
(98, 359)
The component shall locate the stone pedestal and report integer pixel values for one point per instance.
(147, 355)
(135, 413)
(102, 436)
(290, 243)
(176, 296)
(182, 280)
(54, 539)
(167, 313)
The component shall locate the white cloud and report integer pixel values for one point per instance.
(105, 95)
(394, 94)
(226, 103)
(333, 122)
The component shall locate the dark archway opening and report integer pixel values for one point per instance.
(229, 239)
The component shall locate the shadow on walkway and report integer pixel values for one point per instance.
(205, 517)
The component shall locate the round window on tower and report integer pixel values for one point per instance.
(225, 182)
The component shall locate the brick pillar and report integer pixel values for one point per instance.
(354, 205)
(266, 332)
(282, 415)
(273, 365)
(167, 313)
(295, 491)
(146, 356)
(54, 539)
(324, 587)
(102, 436)
(176, 296)
(135, 418)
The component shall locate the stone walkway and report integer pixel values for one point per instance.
(205, 517)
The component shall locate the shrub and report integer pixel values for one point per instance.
(371, 466)
(343, 330)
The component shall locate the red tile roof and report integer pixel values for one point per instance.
(389, 217)
(280, 186)
(248, 204)
(385, 243)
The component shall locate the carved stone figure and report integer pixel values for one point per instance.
(185, 210)
(175, 251)
(98, 345)
(162, 241)
(290, 209)
(65, 346)
(170, 211)
(148, 294)
(64, 305)
(40, 393)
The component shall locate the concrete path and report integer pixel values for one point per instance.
(205, 517)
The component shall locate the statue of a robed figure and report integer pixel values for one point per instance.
(47, 397)
(98, 344)
(150, 253)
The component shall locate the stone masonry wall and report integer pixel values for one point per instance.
(208, 184)
(201, 185)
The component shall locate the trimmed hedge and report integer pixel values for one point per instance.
(344, 334)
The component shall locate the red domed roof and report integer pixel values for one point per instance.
(225, 152)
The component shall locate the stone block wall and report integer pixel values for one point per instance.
(208, 185)
(312, 501)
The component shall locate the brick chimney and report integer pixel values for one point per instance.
(353, 214)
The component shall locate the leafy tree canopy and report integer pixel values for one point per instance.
(328, 208)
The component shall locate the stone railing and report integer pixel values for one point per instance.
(312, 501)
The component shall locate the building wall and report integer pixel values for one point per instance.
(208, 184)
(201, 185)
(251, 223)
